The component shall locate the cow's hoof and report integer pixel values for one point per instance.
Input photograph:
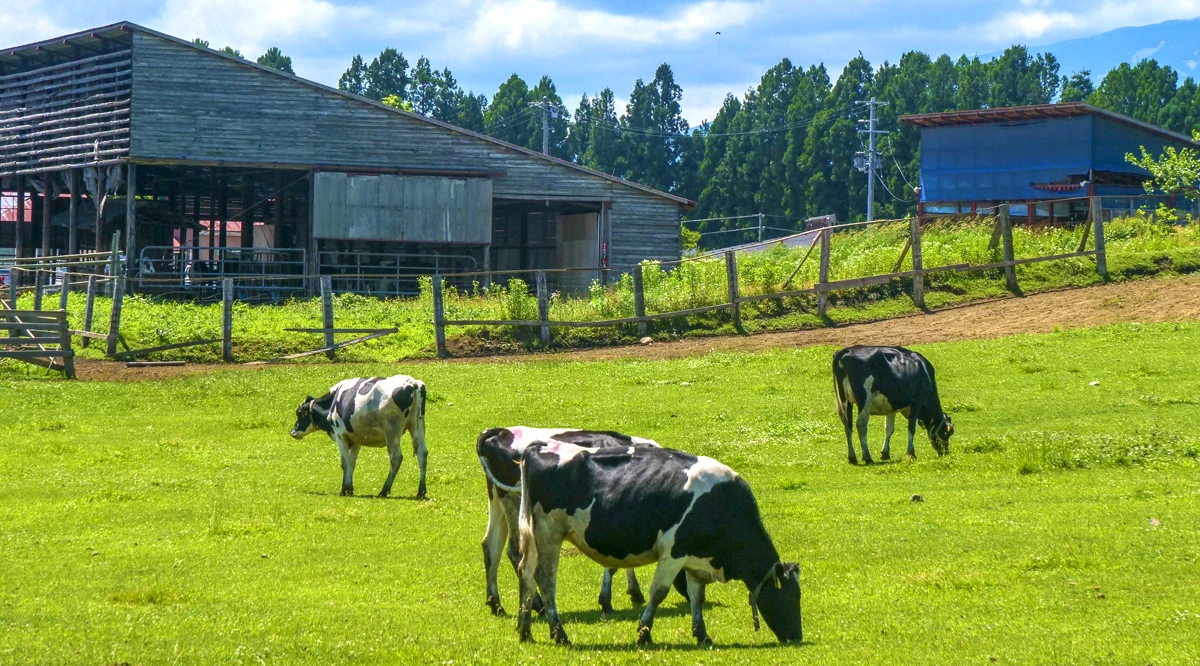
(852, 460)
(384, 493)
(559, 636)
(868, 461)
(605, 606)
(494, 604)
(421, 494)
(704, 641)
(637, 598)
(886, 456)
(347, 492)
(644, 636)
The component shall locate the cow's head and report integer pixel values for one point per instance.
(940, 433)
(779, 602)
(304, 420)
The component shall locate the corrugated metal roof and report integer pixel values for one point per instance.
(1011, 114)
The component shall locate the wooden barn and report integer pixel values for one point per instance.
(210, 165)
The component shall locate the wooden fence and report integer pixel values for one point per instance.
(822, 288)
(37, 337)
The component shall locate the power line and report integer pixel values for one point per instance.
(829, 115)
(507, 119)
(870, 162)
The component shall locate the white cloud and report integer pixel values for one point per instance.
(34, 22)
(1086, 19)
(548, 27)
(1142, 54)
(254, 25)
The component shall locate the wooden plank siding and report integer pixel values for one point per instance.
(194, 105)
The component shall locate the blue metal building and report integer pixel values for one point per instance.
(1043, 158)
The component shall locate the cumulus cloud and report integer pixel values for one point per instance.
(549, 27)
(1083, 19)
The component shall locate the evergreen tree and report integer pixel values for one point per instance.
(275, 58)
(972, 91)
(653, 131)
(1077, 88)
(603, 151)
(354, 79)
(507, 115)
(471, 112)
(387, 75)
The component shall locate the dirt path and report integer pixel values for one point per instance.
(1172, 299)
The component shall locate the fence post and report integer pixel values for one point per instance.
(823, 274)
(39, 288)
(1010, 270)
(439, 317)
(639, 299)
(918, 286)
(1098, 233)
(114, 263)
(89, 308)
(13, 290)
(227, 320)
(327, 313)
(114, 320)
(68, 357)
(64, 292)
(731, 279)
(543, 296)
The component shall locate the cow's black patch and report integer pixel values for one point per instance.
(345, 403)
(725, 525)
(365, 386)
(422, 400)
(495, 449)
(403, 396)
(630, 503)
(321, 409)
(595, 439)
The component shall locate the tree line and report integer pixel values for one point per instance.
(786, 147)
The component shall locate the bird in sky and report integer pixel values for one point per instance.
(718, 32)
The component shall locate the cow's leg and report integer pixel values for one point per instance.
(632, 588)
(493, 550)
(695, 589)
(887, 437)
(912, 431)
(847, 414)
(664, 574)
(606, 591)
(546, 577)
(864, 415)
(419, 450)
(395, 458)
(514, 556)
(347, 467)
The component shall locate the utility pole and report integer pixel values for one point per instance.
(549, 109)
(869, 163)
(760, 227)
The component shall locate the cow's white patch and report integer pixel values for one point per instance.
(629, 450)
(642, 441)
(563, 450)
(704, 474)
(702, 568)
(523, 436)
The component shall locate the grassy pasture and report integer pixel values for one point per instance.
(176, 521)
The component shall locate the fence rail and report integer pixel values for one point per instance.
(821, 289)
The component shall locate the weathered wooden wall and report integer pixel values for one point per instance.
(197, 105)
(427, 209)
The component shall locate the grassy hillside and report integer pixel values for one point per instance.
(1137, 247)
(177, 522)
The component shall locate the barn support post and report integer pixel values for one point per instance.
(13, 290)
(1010, 270)
(64, 291)
(327, 312)
(247, 237)
(114, 263)
(487, 266)
(89, 307)
(918, 285)
(19, 230)
(731, 281)
(439, 317)
(277, 211)
(73, 215)
(131, 261)
(1098, 232)
(227, 320)
(224, 215)
(39, 288)
(47, 211)
(639, 299)
(823, 274)
(543, 298)
(114, 319)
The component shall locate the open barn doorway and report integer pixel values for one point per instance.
(546, 235)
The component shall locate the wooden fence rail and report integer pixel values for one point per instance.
(821, 289)
(23, 330)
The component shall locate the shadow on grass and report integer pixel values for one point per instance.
(629, 614)
(368, 496)
(691, 646)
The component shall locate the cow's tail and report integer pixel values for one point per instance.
(529, 553)
(838, 389)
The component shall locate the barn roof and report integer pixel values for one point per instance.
(51, 51)
(1011, 114)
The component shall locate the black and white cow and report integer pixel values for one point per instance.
(500, 452)
(881, 381)
(628, 507)
(369, 412)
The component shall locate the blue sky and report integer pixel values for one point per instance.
(585, 45)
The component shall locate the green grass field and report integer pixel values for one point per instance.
(176, 521)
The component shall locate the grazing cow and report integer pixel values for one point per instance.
(881, 381)
(628, 507)
(500, 452)
(369, 412)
